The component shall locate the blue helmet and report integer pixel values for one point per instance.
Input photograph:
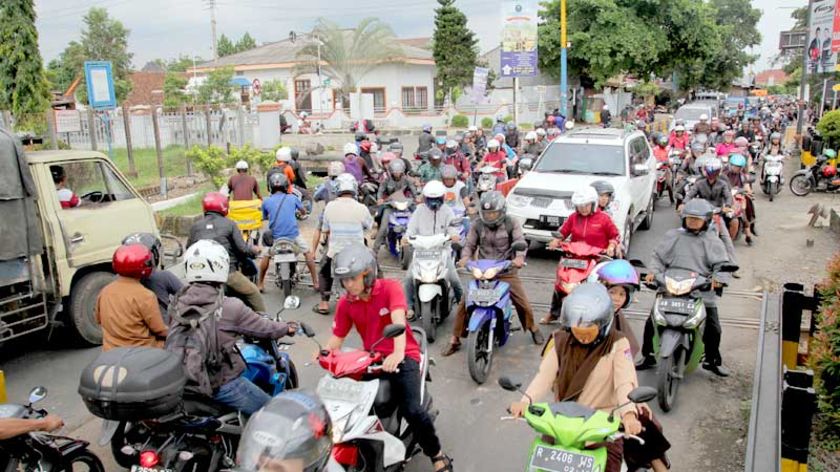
(737, 160)
(440, 140)
(622, 273)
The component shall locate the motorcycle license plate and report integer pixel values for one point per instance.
(286, 257)
(677, 305)
(426, 254)
(557, 460)
(138, 468)
(550, 220)
(484, 296)
(574, 263)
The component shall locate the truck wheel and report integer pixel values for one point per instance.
(647, 223)
(82, 307)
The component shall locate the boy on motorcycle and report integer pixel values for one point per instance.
(738, 179)
(605, 195)
(397, 186)
(370, 304)
(697, 248)
(491, 237)
(454, 157)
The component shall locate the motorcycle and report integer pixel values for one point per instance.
(397, 224)
(490, 309)
(432, 292)
(486, 180)
(285, 254)
(675, 160)
(368, 191)
(578, 262)
(369, 432)
(662, 181)
(820, 177)
(738, 212)
(39, 451)
(772, 177)
(572, 437)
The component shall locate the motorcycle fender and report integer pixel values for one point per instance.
(804, 172)
(109, 427)
(427, 292)
(669, 340)
(479, 316)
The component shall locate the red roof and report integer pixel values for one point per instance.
(771, 77)
(146, 89)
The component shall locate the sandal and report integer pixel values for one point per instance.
(410, 315)
(319, 310)
(547, 320)
(452, 348)
(445, 460)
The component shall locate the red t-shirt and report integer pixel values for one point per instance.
(597, 229)
(371, 317)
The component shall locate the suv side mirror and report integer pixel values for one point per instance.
(640, 170)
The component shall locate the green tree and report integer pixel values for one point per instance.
(217, 89)
(174, 84)
(274, 90)
(347, 56)
(454, 47)
(224, 46)
(245, 43)
(23, 85)
(64, 69)
(737, 22)
(182, 63)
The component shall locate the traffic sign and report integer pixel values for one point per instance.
(257, 86)
(100, 85)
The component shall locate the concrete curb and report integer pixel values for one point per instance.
(166, 204)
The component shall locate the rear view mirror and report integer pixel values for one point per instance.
(307, 330)
(393, 330)
(37, 394)
(292, 302)
(642, 394)
(519, 246)
(508, 384)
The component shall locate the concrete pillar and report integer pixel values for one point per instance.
(268, 117)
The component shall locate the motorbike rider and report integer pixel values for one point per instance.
(430, 170)
(606, 116)
(127, 311)
(499, 127)
(366, 151)
(495, 157)
(162, 283)
(532, 145)
(661, 150)
(702, 127)
(326, 190)
(718, 193)
(622, 281)
(491, 237)
(739, 179)
(300, 172)
(343, 222)
(587, 224)
(457, 195)
(426, 141)
(523, 166)
(511, 135)
(399, 186)
(214, 225)
(728, 145)
(454, 157)
(597, 368)
(242, 185)
(774, 144)
(431, 218)
(206, 263)
(283, 165)
(370, 304)
(678, 140)
(280, 210)
(480, 140)
(606, 193)
(355, 165)
(541, 134)
(694, 247)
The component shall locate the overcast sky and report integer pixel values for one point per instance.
(168, 28)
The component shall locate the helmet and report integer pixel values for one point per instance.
(492, 208)
(396, 167)
(569, 125)
(133, 260)
(829, 171)
(698, 208)
(346, 183)
(335, 169)
(640, 124)
(295, 154)
(622, 273)
(605, 107)
(511, 126)
(459, 138)
(663, 140)
(680, 122)
(491, 144)
(278, 182)
(206, 261)
(427, 128)
(738, 160)
(602, 187)
(448, 172)
(291, 427)
(387, 158)
(440, 140)
(365, 146)
(729, 132)
(354, 260)
(742, 142)
(830, 153)
(587, 305)
(361, 136)
(396, 147)
(531, 136)
(215, 202)
(451, 144)
(775, 136)
(679, 128)
(540, 132)
(435, 154)
(585, 196)
(433, 193)
(350, 148)
(526, 163)
(472, 129)
(149, 240)
(500, 138)
(712, 166)
(241, 165)
(303, 114)
(552, 119)
(284, 154)
(704, 117)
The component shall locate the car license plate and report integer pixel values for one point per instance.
(137, 468)
(677, 305)
(549, 220)
(285, 257)
(574, 263)
(484, 296)
(557, 460)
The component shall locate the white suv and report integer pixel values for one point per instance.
(542, 199)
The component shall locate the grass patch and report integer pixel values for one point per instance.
(313, 181)
(145, 162)
(190, 207)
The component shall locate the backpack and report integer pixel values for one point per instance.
(195, 337)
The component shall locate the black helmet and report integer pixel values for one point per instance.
(435, 153)
(588, 304)
(492, 208)
(57, 173)
(396, 147)
(699, 208)
(526, 163)
(147, 239)
(352, 261)
(278, 182)
(291, 427)
(295, 154)
(602, 187)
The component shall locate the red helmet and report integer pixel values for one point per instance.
(133, 260)
(551, 118)
(829, 171)
(215, 202)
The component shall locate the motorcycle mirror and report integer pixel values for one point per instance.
(728, 268)
(393, 330)
(637, 263)
(642, 394)
(519, 246)
(307, 330)
(506, 383)
(292, 302)
(37, 394)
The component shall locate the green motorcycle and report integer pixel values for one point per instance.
(572, 437)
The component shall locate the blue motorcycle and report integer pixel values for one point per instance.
(397, 225)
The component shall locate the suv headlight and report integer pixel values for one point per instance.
(520, 201)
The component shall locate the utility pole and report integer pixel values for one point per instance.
(212, 5)
(564, 80)
(803, 79)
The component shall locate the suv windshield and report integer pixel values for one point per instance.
(690, 114)
(580, 158)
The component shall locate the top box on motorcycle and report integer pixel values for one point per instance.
(133, 383)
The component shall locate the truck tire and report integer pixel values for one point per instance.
(82, 315)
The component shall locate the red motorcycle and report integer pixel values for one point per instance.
(578, 261)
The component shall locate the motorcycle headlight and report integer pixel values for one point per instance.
(401, 206)
(477, 274)
(490, 273)
(678, 288)
(695, 319)
(428, 271)
(519, 200)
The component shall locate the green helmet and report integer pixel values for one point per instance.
(830, 153)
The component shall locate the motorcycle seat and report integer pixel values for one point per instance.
(196, 405)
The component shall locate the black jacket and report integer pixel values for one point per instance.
(425, 142)
(719, 194)
(225, 232)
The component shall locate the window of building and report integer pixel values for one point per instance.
(378, 98)
(416, 98)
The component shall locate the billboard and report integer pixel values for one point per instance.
(519, 38)
(822, 56)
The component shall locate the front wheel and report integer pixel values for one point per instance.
(82, 303)
(427, 314)
(774, 189)
(479, 354)
(800, 185)
(84, 461)
(647, 223)
(668, 382)
(287, 288)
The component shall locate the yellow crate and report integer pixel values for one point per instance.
(247, 214)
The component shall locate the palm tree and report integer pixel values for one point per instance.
(348, 55)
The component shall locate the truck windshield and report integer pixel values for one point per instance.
(576, 158)
(690, 114)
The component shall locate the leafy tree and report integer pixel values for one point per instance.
(829, 127)
(23, 85)
(217, 89)
(245, 43)
(348, 56)
(182, 63)
(454, 47)
(174, 84)
(274, 90)
(737, 21)
(225, 47)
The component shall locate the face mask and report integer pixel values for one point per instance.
(434, 203)
(585, 334)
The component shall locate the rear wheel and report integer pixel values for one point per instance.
(84, 461)
(118, 441)
(292, 381)
(800, 185)
(82, 304)
(479, 355)
(774, 189)
(427, 314)
(668, 383)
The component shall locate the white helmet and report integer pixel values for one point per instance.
(541, 132)
(303, 114)
(585, 196)
(704, 117)
(346, 183)
(434, 189)
(350, 148)
(335, 169)
(492, 144)
(472, 129)
(606, 107)
(570, 124)
(206, 261)
(241, 165)
(531, 136)
(679, 128)
(284, 154)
